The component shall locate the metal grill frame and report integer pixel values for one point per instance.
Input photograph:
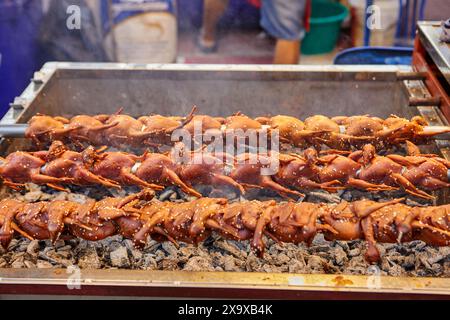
(222, 284)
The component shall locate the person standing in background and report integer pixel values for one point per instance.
(59, 43)
(285, 20)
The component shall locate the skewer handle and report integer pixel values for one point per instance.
(13, 130)
(444, 132)
(428, 101)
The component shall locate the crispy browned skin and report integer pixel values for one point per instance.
(343, 133)
(361, 169)
(63, 163)
(139, 216)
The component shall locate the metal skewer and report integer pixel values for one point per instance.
(443, 135)
(18, 131)
(440, 136)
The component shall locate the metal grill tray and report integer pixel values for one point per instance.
(77, 88)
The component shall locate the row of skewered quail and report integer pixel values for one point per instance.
(362, 169)
(340, 133)
(138, 216)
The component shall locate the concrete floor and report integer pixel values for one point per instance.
(248, 47)
(234, 47)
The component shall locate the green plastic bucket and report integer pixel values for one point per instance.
(325, 23)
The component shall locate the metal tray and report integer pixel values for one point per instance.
(73, 88)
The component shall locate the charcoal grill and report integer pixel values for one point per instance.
(85, 88)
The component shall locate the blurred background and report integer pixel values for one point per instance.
(205, 31)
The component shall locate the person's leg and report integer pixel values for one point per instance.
(287, 52)
(283, 19)
(212, 12)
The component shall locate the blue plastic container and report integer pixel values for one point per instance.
(375, 55)
(19, 27)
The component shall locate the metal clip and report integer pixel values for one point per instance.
(38, 80)
(411, 75)
(17, 106)
(424, 101)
